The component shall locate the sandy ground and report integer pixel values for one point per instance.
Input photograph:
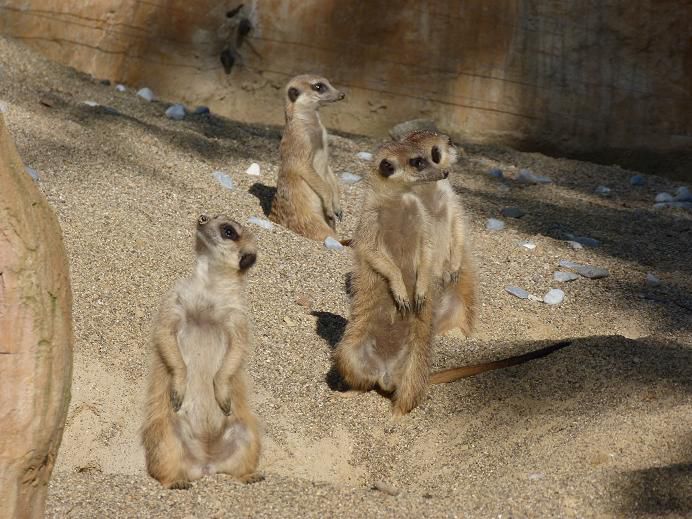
(601, 428)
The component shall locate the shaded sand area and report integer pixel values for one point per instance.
(601, 428)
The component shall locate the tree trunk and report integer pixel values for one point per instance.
(35, 338)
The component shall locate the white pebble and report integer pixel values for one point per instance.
(652, 280)
(364, 155)
(554, 296)
(517, 292)
(565, 277)
(493, 224)
(350, 178)
(32, 173)
(527, 245)
(332, 243)
(253, 170)
(682, 194)
(90, 103)
(223, 179)
(536, 476)
(603, 191)
(3, 107)
(574, 245)
(664, 197)
(176, 112)
(121, 88)
(146, 94)
(527, 176)
(265, 224)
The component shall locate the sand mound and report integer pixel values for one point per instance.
(599, 428)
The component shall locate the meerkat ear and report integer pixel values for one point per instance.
(435, 154)
(386, 168)
(293, 94)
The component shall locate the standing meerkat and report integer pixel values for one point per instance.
(388, 338)
(454, 270)
(197, 418)
(307, 191)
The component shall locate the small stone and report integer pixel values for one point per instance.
(591, 272)
(602, 190)
(527, 245)
(224, 179)
(535, 298)
(574, 245)
(385, 488)
(586, 241)
(637, 180)
(364, 155)
(536, 476)
(261, 222)
(332, 243)
(512, 212)
(401, 130)
(201, 110)
(106, 82)
(120, 88)
(493, 224)
(176, 112)
(304, 300)
(32, 173)
(495, 172)
(90, 103)
(350, 178)
(146, 94)
(565, 277)
(682, 194)
(664, 197)
(652, 280)
(517, 292)
(3, 107)
(555, 296)
(526, 176)
(569, 264)
(289, 321)
(253, 170)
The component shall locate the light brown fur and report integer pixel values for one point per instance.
(307, 191)
(454, 270)
(197, 419)
(388, 338)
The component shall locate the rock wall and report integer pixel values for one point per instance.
(35, 338)
(591, 76)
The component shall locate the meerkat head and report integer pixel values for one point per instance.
(404, 165)
(309, 92)
(224, 241)
(439, 147)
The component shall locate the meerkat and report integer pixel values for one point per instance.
(387, 340)
(307, 191)
(197, 417)
(454, 269)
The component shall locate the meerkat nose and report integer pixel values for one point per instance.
(203, 218)
(341, 96)
(445, 174)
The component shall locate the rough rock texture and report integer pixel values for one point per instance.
(35, 337)
(603, 78)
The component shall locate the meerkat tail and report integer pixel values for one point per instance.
(453, 374)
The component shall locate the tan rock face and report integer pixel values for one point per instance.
(568, 75)
(35, 337)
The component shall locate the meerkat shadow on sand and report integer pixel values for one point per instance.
(330, 327)
(265, 195)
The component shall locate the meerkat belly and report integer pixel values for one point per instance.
(203, 348)
(404, 237)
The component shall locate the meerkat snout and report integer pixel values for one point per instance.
(247, 260)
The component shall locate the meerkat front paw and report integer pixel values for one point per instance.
(178, 392)
(222, 395)
(402, 303)
(450, 278)
(418, 303)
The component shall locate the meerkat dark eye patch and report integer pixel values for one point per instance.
(418, 162)
(293, 94)
(319, 87)
(228, 232)
(436, 155)
(386, 168)
(247, 261)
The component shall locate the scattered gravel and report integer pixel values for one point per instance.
(493, 224)
(253, 170)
